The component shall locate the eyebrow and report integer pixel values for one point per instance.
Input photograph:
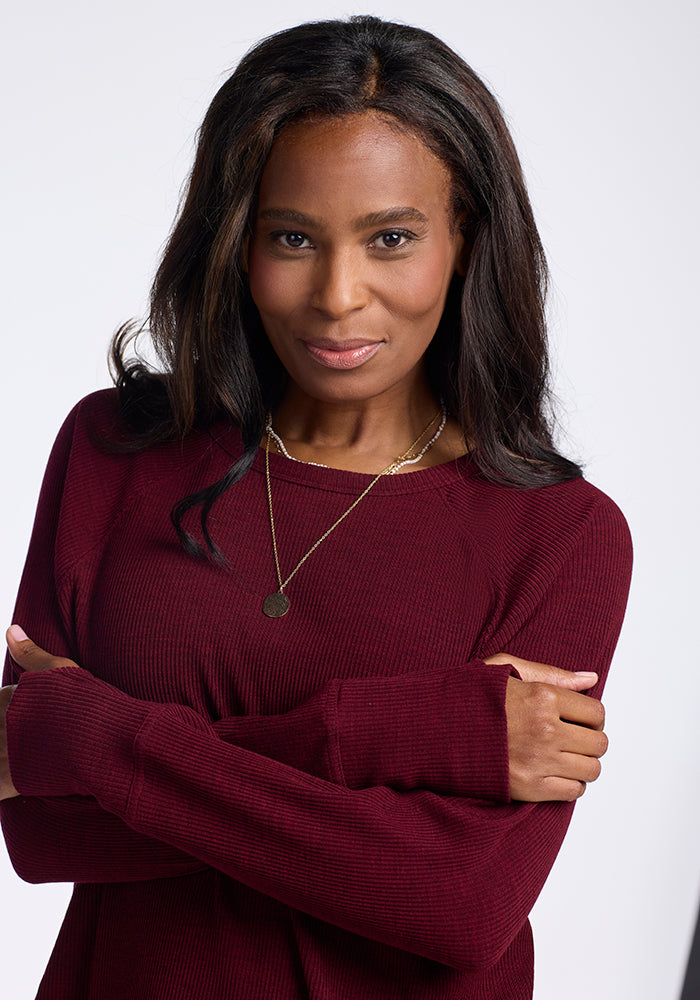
(398, 213)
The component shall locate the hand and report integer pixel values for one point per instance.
(7, 789)
(29, 657)
(555, 733)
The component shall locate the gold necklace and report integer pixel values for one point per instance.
(276, 604)
(282, 448)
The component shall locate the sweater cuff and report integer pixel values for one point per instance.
(445, 730)
(69, 733)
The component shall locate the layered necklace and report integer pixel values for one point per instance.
(276, 604)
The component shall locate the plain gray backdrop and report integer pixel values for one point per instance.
(102, 103)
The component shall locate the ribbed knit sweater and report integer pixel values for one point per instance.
(314, 806)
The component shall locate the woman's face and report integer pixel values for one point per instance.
(352, 253)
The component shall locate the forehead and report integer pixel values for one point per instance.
(355, 164)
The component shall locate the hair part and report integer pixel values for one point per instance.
(488, 360)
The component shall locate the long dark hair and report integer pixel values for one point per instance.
(488, 360)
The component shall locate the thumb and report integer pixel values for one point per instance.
(544, 673)
(27, 655)
(580, 680)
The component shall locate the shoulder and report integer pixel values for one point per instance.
(561, 510)
(530, 535)
(97, 442)
(559, 559)
(97, 473)
(100, 407)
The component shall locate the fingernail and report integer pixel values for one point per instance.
(586, 675)
(17, 633)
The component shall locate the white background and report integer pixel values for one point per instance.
(101, 107)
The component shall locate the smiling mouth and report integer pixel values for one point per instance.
(344, 356)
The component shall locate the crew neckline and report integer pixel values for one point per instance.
(341, 480)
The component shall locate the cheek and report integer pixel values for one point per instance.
(423, 288)
(273, 289)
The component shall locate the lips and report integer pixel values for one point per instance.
(343, 355)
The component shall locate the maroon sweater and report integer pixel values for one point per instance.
(314, 806)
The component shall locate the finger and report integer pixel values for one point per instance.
(529, 670)
(583, 740)
(7, 789)
(544, 673)
(577, 708)
(27, 655)
(562, 790)
(6, 696)
(577, 767)
(552, 789)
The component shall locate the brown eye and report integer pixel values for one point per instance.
(291, 240)
(294, 239)
(392, 240)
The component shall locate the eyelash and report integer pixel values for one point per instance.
(407, 236)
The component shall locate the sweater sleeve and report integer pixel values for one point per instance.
(452, 879)
(69, 839)
(444, 730)
(359, 732)
(72, 839)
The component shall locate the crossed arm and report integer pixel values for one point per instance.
(554, 738)
(555, 732)
(283, 831)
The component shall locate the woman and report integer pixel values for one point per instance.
(308, 742)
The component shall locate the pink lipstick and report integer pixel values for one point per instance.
(345, 355)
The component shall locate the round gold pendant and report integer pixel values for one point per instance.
(275, 605)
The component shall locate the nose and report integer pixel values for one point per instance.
(339, 286)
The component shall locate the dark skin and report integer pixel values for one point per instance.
(351, 256)
(555, 733)
(555, 736)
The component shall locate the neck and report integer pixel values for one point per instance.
(358, 436)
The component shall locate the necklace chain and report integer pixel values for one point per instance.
(396, 465)
(281, 445)
(277, 604)
(402, 460)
